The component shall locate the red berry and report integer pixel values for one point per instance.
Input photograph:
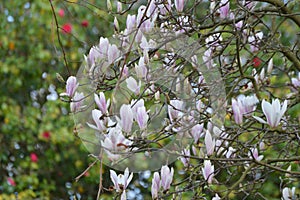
(33, 157)
(67, 28)
(46, 134)
(256, 62)
(11, 181)
(85, 23)
(61, 13)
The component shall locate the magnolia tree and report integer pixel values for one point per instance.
(204, 94)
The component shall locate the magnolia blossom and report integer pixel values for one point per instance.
(121, 181)
(130, 22)
(112, 53)
(115, 143)
(164, 8)
(101, 102)
(270, 66)
(249, 4)
(224, 9)
(175, 109)
(142, 117)
(185, 159)
(77, 101)
(296, 81)
(100, 124)
(141, 69)
(197, 132)
(209, 143)
(155, 185)
(126, 116)
(166, 177)
(288, 194)
(179, 4)
(217, 197)
(255, 40)
(71, 86)
(103, 47)
(243, 106)
(230, 152)
(208, 171)
(254, 153)
(133, 85)
(273, 112)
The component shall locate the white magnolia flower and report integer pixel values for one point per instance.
(273, 112)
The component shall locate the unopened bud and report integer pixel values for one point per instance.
(60, 78)
(270, 66)
(116, 25)
(119, 7)
(108, 4)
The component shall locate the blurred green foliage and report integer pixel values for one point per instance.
(40, 157)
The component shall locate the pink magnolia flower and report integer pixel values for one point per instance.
(135, 104)
(166, 177)
(33, 157)
(142, 117)
(141, 69)
(112, 53)
(130, 22)
(254, 41)
(71, 86)
(209, 143)
(243, 105)
(208, 171)
(100, 124)
(185, 159)
(224, 9)
(273, 112)
(76, 104)
(115, 143)
(197, 132)
(164, 8)
(94, 55)
(155, 185)
(288, 194)
(101, 102)
(237, 109)
(121, 181)
(254, 154)
(249, 4)
(296, 81)
(133, 85)
(103, 46)
(175, 109)
(179, 4)
(126, 116)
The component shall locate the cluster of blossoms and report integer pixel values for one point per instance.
(148, 93)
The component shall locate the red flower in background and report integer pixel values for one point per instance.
(11, 181)
(34, 157)
(67, 28)
(61, 13)
(256, 62)
(46, 135)
(85, 23)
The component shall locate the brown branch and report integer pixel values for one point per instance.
(58, 38)
(284, 9)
